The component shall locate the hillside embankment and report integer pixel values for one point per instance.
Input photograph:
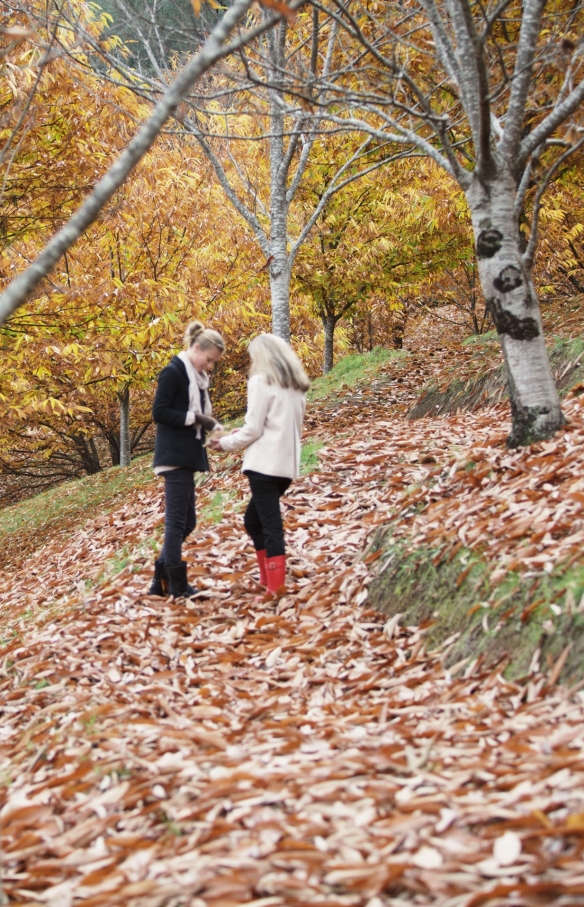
(313, 749)
(487, 547)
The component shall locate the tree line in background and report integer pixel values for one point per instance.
(338, 168)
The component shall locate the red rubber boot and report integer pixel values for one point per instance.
(262, 564)
(276, 573)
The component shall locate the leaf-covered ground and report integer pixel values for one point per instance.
(310, 750)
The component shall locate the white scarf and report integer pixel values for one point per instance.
(198, 381)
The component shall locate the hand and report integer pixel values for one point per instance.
(208, 422)
(214, 444)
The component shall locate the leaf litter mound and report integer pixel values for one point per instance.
(302, 751)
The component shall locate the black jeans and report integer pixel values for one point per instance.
(263, 520)
(179, 513)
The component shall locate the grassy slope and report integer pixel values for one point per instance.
(487, 386)
(523, 621)
(25, 525)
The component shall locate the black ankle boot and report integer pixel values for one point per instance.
(160, 582)
(178, 586)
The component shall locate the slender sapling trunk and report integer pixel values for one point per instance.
(329, 323)
(124, 401)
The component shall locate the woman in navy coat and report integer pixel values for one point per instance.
(182, 413)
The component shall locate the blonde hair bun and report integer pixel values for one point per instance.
(196, 332)
(192, 332)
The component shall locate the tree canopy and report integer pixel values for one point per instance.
(290, 189)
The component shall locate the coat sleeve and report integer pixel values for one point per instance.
(163, 408)
(255, 417)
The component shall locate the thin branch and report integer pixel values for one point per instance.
(529, 253)
(559, 115)
(223, 179)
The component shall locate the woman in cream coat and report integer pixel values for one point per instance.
(276, 399)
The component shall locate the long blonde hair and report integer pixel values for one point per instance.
(196, 332)
(273, 359)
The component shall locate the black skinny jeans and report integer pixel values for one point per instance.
(263, 520)
(179, 513)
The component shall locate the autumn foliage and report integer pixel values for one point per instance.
(170, 248)
(307, 749)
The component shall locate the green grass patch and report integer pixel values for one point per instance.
(481, 339)
(216, 506)
(77, 500)
(353, 370)
(309, 461)
(522, 618)
(569, 348)
(119, 561)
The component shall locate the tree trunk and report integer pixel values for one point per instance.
(114, 448)
(280, 294)
(137, 436)
(514, 308)
(124, 400)
(398, 327)
(328, 323)
(88, 453)
(94, 460)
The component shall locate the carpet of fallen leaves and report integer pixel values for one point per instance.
(230, 751)
(523, 509)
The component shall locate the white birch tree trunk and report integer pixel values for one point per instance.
(280, 294)
(511, 299)
(280, 264)
(125, 447)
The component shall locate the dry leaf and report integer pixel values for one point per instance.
(507, 849)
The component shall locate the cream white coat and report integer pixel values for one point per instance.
(271, 431)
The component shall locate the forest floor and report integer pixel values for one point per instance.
(309, 750)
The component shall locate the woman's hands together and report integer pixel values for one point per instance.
(213, 439)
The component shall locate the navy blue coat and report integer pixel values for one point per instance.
(176, 443)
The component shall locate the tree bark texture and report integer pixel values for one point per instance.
(281, 265)
(329, 323)
(512, 302)
(125, 448)
(280, 294)
(88, 454)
